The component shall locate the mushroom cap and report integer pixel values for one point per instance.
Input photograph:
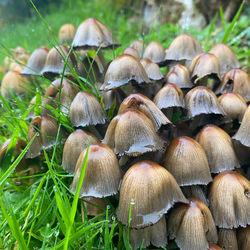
(36, 62)
(132, 133)
(86, 110)
(186, 160)
(17, 66)
(243, 238)
(179, 75)
(243, 134)
(183, 47)
(122, 70)
(152, 69)
(202, 100)
(169, 96)
(227, 239)
(226, 56)
(92, 34)
(147, 107)
(155, 52)
(196, 191)
(214, 247)
(67, 33)
(230, 200)
(218, 147)
(203, 65)
(74, 145)
(192, 225)
(151, 191)
(132, 52)
(138, 45)
(233, 105)
(103, 174)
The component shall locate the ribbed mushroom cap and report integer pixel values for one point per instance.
(155, 52)
(17, 67)
(233, 105)
(122, 70)
(45, 129)
(226, 56)
(235, 80)
(155, 235)
(179, 75)
(14, 83)
(86, 110)
(92, 34)
(132, 52)
(218, 147)
(202, 100)
(151, 190)
(103, 174)
(230, 200)
(74, 145)
(203, 65)
(138, 45)
(243, 134)
(132, 133)
(214, 247)
(152, 69)
(196, 191)
(183, 47)
(243, 238)
(192, 226)
(186, 160)
(36, 62)
(146, 106)
(169, 96)
(227, 239)
(67, 33)
(54, 64)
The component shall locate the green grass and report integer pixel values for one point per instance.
(46, 215)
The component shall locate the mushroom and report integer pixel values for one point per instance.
(243, 238)
(132, 52)
(138, 45)
(155, 52)
(94, 206)
(152, 69)
(227, 239)
(147, 192)
(67, 33)
(214, 247)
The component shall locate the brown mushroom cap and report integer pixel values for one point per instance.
(17, 67)
(132, 52)
(192, 226)
(230, 200)
(92, 34)
(218, 147)
(186, 160)
(155, 52)
(74, 145)
(214, 247)
(103, 174)
(226, 56)
(138, 45)
(227, 239)
(67, 33)
(132, 133)
(86, 110)
(152, 69)
(151, 191)
(243, 238)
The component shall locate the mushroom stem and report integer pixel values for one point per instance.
(102, 59)
(169, 113)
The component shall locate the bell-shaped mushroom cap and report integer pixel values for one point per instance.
(146, 106)
(86, 110)
(230, 200)
(204, 65)
(226, 56)
(218, 147)
(13, 83)
(156, 235)
(192, 226)
(243, 238)
(169, 96)
(74, 145)
(103, 174)
(233, 105)
(152, 69)
(132, 52)
(243, 134)
(67, 33)
(122, 70)
(214, 247)
(155, 52)
(45, 130)
(17, 67)
(132, 133)
(202, 100)
(186, 160)
(151, 191)
(92, 34)
(236, 80)
(138, 45)
(227, 239)
(36, 62)
(179, 75)
(54, 64)
(183, 47)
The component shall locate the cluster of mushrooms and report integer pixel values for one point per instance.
(175, 157)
